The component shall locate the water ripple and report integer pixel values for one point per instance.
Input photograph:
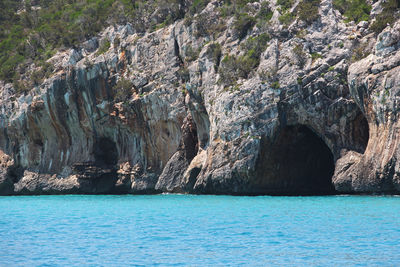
(185, 230)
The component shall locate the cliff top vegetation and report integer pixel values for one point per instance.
(31, 31)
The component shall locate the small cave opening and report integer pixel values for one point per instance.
(296, 162)
(189, 139)
(360, 133)
(105, 152)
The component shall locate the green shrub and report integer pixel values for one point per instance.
(47, 69)
(359, 52)
(255, 46)
(232, 68)
(191, 53)
(353, 10)
(275, 85)
(307, 10)
(205, 26)
(301, 33)
(88, 63)
(122, 90)
(264, 16)
(104, 46)
(265, 13)
(8, 67)
(300, 55)
(246, 65)
(202, 23)
(285, 4)
(37, 76)
(20, 87)
(243, 22)
(197, 6)
(44, 70)
(300, 80)
(315, 56)
(116, 42)
(183, 74)
(188, 20)
(229, 70)
(232, 7)
(390, 12)
(286, 18)
(214, 50)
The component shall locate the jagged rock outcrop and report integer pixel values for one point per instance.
(375, 85)
(143, 118)
(170, 179)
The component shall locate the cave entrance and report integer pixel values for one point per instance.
(105, 152)
(297, 162)
(359, 133)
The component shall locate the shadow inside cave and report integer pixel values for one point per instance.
(100, 176)
(359, 133)
(105, 152)
(297, 162)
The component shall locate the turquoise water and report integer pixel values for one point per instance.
(182, 230)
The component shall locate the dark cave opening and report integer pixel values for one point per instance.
(360, 133)
(105, 152)
(100, 176)
(297, 162)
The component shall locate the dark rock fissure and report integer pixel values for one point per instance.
(360, 133)
(171, 179)
(297, 162)
(177, 52)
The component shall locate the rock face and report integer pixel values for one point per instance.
(375, 86)
(142, 118)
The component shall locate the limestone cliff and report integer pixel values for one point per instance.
(153, 114)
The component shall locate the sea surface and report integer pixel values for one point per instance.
(187, 230)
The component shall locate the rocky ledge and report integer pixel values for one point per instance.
(153, 113)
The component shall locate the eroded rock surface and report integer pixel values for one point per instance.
(172, 126)
(375, 85)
